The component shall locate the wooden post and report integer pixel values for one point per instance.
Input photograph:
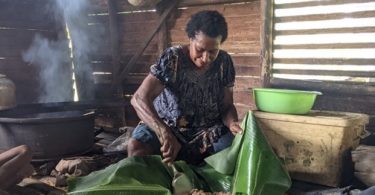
(163, 38)
(115, 40)
(266, 41)
(115, 53)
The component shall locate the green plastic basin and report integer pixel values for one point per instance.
(284, 101)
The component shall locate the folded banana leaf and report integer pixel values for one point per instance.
(255, 168)
(248, 167)
(258, 170)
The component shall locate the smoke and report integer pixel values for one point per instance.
(53, 59)
(55, 79)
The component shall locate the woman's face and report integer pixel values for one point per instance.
(204, 50)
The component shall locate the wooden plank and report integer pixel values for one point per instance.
(21, 74)
(163, 38)
(131, 116)
(190, 3)
(102, 19)
(131, 48)
(250, 47)
(27, 15)
(249, 60)
(243, 101)
(324, 61)
(326, 46)
(245, 9)
(145, 58)
(134, 79)
(247, 70)
(247, 23)
(99, 6)
(240, 34)
(318, 17)
(325, 87)
(102, 91)
(125, 6)
(138, 17)
(129, 89)
(318, 3)
(246, 83)
(266, 40)
(326, 31)
(22, 36)
(243, 97)
(137, 27)
(230, 11)
(136, 38)
(348, 103)
(38, 26)
(325, 72)
(101, 66)
(100, 57)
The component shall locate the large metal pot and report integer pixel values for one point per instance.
(50, 135)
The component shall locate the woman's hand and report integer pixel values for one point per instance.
(169, 146)
(235, 128)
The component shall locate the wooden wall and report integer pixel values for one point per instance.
(134, 24)
(243, 43)
(20, 21)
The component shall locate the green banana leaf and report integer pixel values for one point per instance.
(136, 175)
(248, 167)
(258, 170)
(252, 163)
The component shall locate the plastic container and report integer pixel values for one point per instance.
(284, 101)
(315, 147)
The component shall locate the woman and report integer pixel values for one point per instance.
(186, 101)
(14, 166)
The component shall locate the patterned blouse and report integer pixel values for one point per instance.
(191, 100)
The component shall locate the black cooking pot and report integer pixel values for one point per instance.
(50, 135)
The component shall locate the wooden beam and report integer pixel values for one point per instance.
(115, 53)
(163, 38)
(334, 16)
(140, 50)
(325, 72)
(115, 41)
(163, 31)
(319, 61)
(266, 40)
(326, 46)
(191, 3)
(324, 30)
(23, 109)
(319, 3)
(328, 87)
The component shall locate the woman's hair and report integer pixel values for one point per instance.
(211, 23)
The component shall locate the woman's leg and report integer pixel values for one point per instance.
(14, 166)
(224, 142)
(143, 142)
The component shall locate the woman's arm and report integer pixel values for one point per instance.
(229, 115)
(142, 102)
(14, 166)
